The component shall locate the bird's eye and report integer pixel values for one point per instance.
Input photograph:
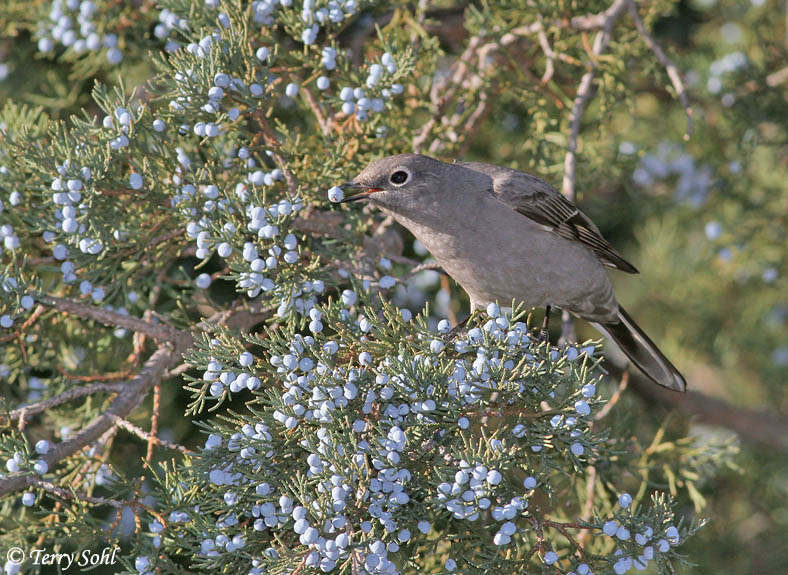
(399, 177)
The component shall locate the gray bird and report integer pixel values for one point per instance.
(506, 235)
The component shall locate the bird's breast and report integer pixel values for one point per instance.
(494, 253)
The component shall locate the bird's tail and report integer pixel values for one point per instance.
(643, 352)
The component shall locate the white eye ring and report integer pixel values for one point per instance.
(396, 175)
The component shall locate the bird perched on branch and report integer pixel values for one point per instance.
(506, 235)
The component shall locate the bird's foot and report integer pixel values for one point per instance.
(459, 329)
(544, 333)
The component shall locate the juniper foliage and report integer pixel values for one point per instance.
(174, 243)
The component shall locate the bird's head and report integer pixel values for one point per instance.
(409, 183)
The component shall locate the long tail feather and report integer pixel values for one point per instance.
(643, 352)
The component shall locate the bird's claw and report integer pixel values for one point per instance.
(457, 330)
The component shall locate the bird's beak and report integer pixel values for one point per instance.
(363, 195)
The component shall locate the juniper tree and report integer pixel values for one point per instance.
(177, 240)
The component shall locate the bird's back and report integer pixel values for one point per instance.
(496, 253)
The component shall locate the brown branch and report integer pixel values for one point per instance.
(614, 398)
(776, 78)
(115, 522)
(751, 425)
(134, 504)
(539, 547)
(563, 529)
(667, 63)
(421, 267)
(549, 68)
(446, 285)
(177, 371)
(301, 565)
(125, 402)
(472, 123)
(405, 260)
(443, 91)
(586, 86)
(74, 393)
(154, 422)
(109, 318)
(172, 234)
(271, 140)
(584, 93)
(150, 438)
(112, 376)
(325, 125)
(588, 506)
(66, 494)
(584, 23)
(241, 319)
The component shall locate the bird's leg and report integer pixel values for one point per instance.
(459, 328)
(544, 333)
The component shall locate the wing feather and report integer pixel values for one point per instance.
(539, 201)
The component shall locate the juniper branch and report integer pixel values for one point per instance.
(126, 401)
(159, 332)
(22, 413)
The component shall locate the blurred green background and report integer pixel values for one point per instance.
(704, 219)
(706, 223)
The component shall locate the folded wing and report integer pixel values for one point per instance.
(539, 201)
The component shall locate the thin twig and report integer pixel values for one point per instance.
(110, 318)
(776, 78)
(150, 438)
(325, 125)
(588, 506)
(25, 327)
(240, 319)
(271, 140)
(405, 260)
(584, 93)
(134, 504)
(66, 494)
(443, 91)
(446, 285)
(432, 266)
(549, 67)
(562, 528)
(614, 398)
(474, 120)
(172, 234)
(177, 371)
(667, 63)
(154, 422)
(301, 565)
(74, 393)
(112, 376)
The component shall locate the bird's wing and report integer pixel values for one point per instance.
(539, 201)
